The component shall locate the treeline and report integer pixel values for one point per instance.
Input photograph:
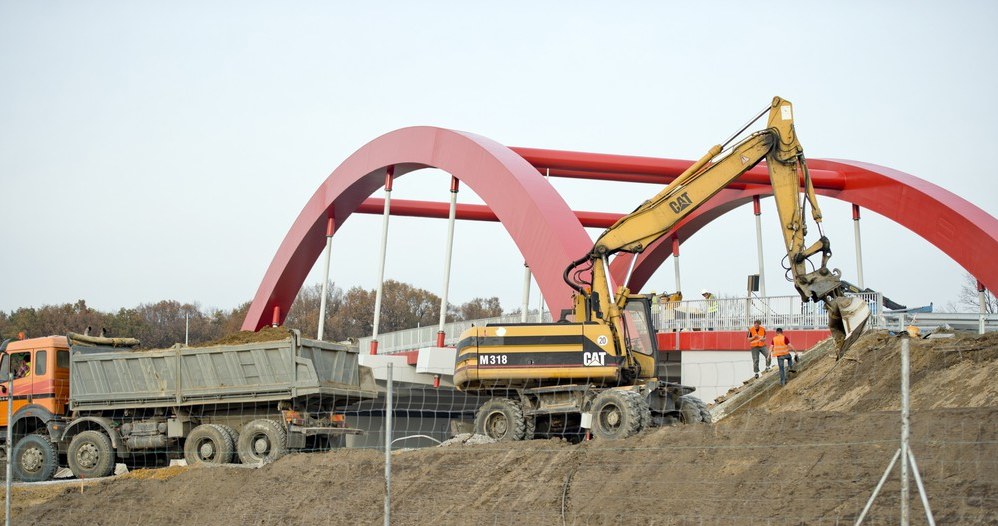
(349, 314)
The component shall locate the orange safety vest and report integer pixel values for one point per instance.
(761, 333)
(780, 347)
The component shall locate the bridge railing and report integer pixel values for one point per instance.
(411, 339)
(734, 314)
(731, 314)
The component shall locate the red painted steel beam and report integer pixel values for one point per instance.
(648, 169)
(467, 212)
(960, 229)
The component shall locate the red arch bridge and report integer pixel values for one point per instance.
(549, 234)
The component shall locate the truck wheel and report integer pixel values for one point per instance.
(616, 415)
(232, 433)
(208, 444)
(501, 419)
(693, 410)
(35, 459)
(90, 455)
(262, 441)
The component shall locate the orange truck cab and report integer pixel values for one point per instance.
(40, 367)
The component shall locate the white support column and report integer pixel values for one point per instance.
(859, 247)
(675, 258)
(540, 306)
(757, 209)
(982, 300)
(982, 305)
(526, 293)
(325, 279)
(451, 219)
(381, 258)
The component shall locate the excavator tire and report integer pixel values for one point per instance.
(501, 419)
(529, 428)
(693, 410)
(617, 414)
(644, 411)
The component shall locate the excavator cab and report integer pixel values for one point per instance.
(639, 334)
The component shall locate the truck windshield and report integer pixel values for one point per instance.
(637, 326)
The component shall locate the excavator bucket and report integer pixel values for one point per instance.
(847, 316)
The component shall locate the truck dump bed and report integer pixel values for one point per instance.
(326, 374)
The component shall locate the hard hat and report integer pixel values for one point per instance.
(704, 291)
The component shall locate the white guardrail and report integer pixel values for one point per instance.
(731, 314)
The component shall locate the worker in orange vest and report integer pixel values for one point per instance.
(757, 346)
(781, 351)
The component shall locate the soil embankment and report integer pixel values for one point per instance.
(808, 453)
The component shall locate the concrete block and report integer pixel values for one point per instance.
(436, 360)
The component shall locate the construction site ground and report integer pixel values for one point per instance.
(807, 453)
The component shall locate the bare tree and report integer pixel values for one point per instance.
(968, 299)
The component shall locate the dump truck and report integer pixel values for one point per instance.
(598, 367)
(87, 402)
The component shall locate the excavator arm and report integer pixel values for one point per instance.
(779, 147)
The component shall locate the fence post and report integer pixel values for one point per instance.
(388, 446)
(10, 434)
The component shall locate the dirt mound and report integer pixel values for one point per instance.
(266, 334)
(951, 372)
(807, 453)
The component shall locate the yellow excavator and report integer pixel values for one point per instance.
(598, 369)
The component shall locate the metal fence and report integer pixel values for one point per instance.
(734, 314)
(411, 339)
(723, 314)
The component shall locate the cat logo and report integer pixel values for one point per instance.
(681, 203)
(594, 359)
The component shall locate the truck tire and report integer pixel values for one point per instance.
(208, 444)
(616, 415)
(262, 441)
(501, 419)
(90, 455)
(232, 433)
(693, 410)
(35, 459)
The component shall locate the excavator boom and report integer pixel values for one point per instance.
(779, 147)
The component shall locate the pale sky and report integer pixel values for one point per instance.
(162, 150)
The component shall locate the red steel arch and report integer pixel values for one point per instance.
(548, 233)
(541, 224)
(960, 229)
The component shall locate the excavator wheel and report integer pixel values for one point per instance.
(501, 419)
(644, 411)
(616, 414)
(693, 410)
